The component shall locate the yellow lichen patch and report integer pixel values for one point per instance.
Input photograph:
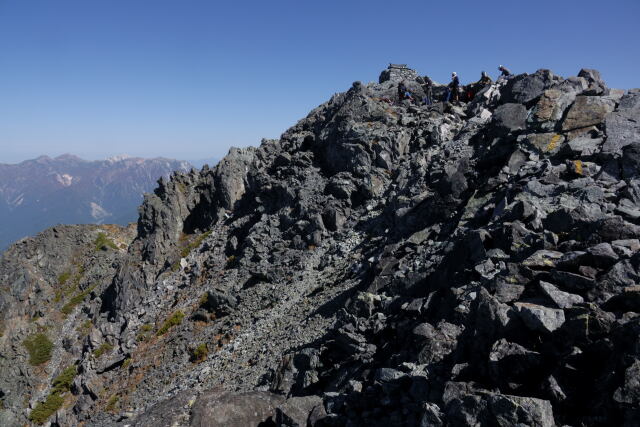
(578, 166)
(554, 142)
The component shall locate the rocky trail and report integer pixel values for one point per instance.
(466, 264)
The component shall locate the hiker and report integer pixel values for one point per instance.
(428, 90)
(474, 88)
(402, 91)
(504, 70)
(485, 80)
(452, 92)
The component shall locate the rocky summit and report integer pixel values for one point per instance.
(381, 264)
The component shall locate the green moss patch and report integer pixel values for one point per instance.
(104, 348)
(66, 287)
(62, 383)
(112, 403)
(54, 401)
(44, 410)
(39, 347)
(76, 299)
(103, 243)
(62, 279)
(194, 244)
(199, 353)
(173, 320)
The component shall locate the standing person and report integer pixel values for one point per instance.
(504, 70)
(454, 86)
(427, 86)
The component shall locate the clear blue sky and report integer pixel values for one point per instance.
(189, 78)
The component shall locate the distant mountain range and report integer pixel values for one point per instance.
(36, 194)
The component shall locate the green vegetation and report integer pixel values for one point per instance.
(61, 385)
(173, 320)
(44, 410)
(76, 299)
(106, 347)
(194, 244)
(111, 403)
(126, 363)
(66, 287)
(103, 243)
(200, 353)
(39, 348)
(62, 279)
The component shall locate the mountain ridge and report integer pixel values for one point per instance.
(382, 263)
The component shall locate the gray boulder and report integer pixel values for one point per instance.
(587, 111)
(560, 298)
(223, 409)
(629, 392)
(622, 126)
(540, 318)
(510, 117)
(523, 89)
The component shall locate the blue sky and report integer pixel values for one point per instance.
(190, 78)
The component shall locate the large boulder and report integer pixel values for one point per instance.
(587, 111)
(467, 406)
(512, 363)
(623, 125)
(510, 117)
(629, 392)
(231, 176)
(560, 298)
(540, 318)
(551, 107)
(222, 409)
(631, 160)
(594, 79)
(525, 88)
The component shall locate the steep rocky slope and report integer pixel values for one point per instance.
(379, 264)
(42, 192)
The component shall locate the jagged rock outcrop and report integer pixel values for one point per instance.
(379, 264)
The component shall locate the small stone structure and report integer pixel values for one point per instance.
(396, 73)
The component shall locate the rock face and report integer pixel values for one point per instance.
(379, 264)
(39, 193)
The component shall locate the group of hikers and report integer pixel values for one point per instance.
(453, 92)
